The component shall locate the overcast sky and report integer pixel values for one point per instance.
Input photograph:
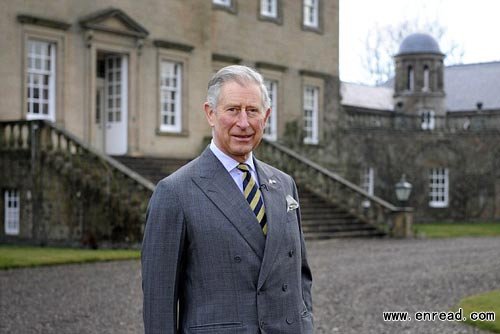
(475, 25)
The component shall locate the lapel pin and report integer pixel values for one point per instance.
(271, 181)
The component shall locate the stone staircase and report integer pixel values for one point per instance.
(152, 168)
(320, 219)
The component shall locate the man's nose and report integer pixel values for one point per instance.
(242, 119)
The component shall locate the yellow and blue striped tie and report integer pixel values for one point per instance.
(253, 196)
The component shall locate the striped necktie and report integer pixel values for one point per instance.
(253, 196)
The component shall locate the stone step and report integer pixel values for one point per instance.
(338, 227)
(320, 219)
(152, 168)
(317, 222)
(328, 215)
(343, 234)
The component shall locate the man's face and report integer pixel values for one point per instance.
(238, 120)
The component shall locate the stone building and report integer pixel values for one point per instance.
(438, 125)
(88, 84)
(128, 78)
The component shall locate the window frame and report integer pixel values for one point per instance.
(41, 73)
(367, 183)
(182, 58)
(410, 78)
(49, 31)
(438, 187)
(272, 122)
(264, 4)
(176, 127)
(226, 3)
(306, 23)
(229, 6)
(12, 215)
(427, 120)
(313, 138)
(426, 79)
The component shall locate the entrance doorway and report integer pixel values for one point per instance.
(111, 96)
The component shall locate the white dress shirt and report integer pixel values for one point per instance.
(230, 164)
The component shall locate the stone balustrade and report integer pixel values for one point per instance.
(90, 173)
(453, 122)
(339, 191)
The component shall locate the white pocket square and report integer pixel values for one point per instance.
(291, 203)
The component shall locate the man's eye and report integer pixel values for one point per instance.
(253, 112)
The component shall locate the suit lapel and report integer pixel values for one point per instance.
(275, 202)
(219, 187)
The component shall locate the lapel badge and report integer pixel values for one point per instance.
(291, 203)
(271, 181)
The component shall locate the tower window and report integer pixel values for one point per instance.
(410, 80)
(425, 87)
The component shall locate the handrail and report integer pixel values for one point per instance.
(332, 187)
(122, 193)
(12, 142)
(452, 122)
(114, 163)
(333, 176)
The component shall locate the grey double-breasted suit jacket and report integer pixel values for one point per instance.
(206, 265)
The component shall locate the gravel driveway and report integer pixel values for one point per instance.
(355, 281)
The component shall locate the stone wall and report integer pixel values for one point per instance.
(56, 208)
(473, 160)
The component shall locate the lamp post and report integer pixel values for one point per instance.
(403, 220)
(403, 189)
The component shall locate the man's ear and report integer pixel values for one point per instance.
(210, 114)
(268, 113)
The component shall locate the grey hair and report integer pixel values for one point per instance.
(240, 74)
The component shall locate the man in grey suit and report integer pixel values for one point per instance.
(223, 249)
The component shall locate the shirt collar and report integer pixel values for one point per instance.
(228, 162)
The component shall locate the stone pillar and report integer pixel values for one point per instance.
(401, 223)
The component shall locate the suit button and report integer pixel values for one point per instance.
(290, 253)
(237, 259)
(262, 324)
(284, 287)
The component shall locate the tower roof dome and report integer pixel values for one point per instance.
(419, 43)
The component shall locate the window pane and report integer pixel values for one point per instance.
(40, 79)
(170, 92)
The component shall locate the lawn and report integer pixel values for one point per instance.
(485, 302)
(16, 256)
(454, 230)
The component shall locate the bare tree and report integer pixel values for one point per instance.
(383, 42)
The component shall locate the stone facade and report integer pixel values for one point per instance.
(129, 78)
(199, 36)
(471, 158)
(449, 154)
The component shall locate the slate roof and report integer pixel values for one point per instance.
(370, 97)
(465, 85)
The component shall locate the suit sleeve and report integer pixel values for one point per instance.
(305, 270)
(161, 260)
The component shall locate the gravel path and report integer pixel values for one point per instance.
(355, 281)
